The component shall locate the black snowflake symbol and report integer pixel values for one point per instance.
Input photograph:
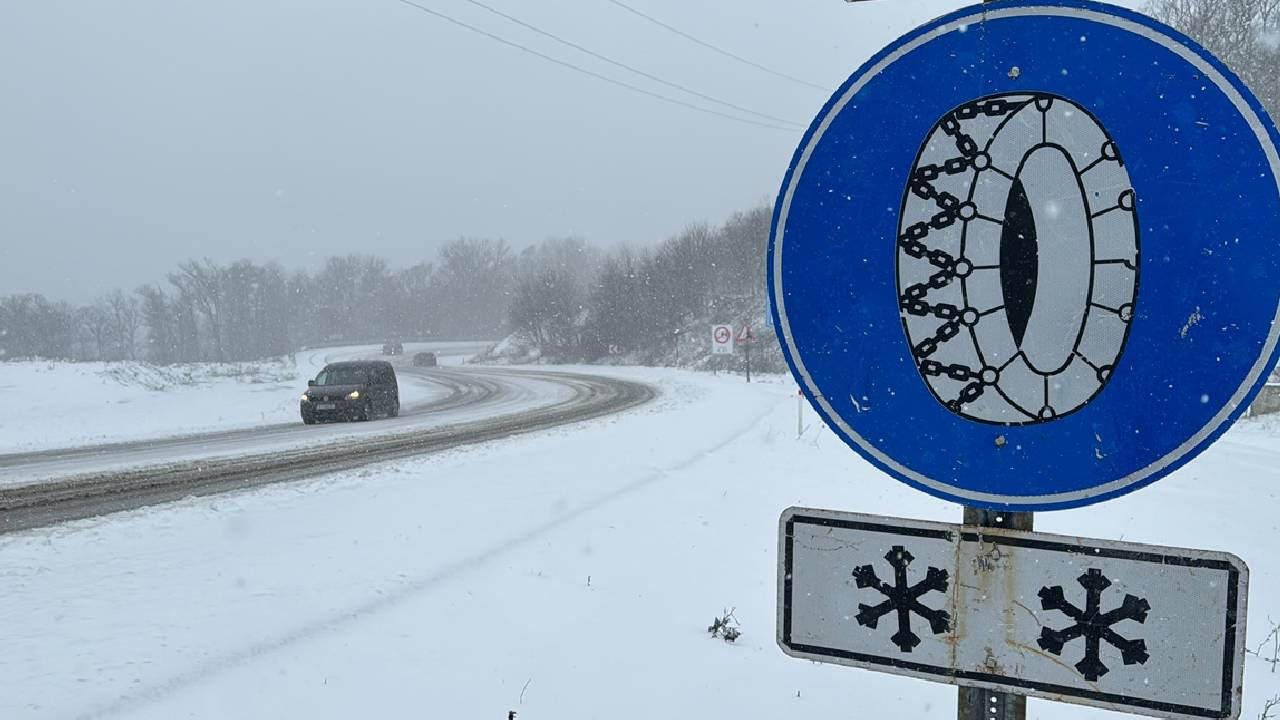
(1094, 625)
(903, 598)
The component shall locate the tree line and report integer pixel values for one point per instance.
(206, 311)
(575, 302)
(570, 299)
(567, 298)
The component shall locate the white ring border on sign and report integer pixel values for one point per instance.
(1264, 357)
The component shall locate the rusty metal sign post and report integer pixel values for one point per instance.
(1008, 613)
(975, 703)
(746, 338)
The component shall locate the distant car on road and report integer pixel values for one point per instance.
(392, 347)
(424, 359)
(351, 391)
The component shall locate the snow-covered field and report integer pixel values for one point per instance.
(566, 574)
(61, 404)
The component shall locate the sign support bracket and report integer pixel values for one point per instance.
(980, 703)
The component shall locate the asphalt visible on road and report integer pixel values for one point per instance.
(140, 475)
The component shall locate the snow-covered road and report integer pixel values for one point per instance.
(444, 396)
(565, 574)
(52, 406)
(488, 404)
(431, 397)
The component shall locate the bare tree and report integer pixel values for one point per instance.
(126, 319)
(1269, 708)
(200, 283)
(618, 302)
(643, 302)
(31, 326)
(417, 316)
(743, 245)
(572, 255)
(473, 282)
(186, 327)
(1244, 34)
(94, 326)
(351, 294)
(547, 304)
(547, 308)
(254, 310)
(158, 317)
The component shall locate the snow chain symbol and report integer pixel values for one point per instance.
(903, 598)
(1017, 258)
(1094, 625)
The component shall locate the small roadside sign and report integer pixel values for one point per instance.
(1153, 630)
(745, 335)
(721, 340)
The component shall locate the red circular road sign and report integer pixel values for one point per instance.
(722, 335)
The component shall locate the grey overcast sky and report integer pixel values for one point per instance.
(138, 133)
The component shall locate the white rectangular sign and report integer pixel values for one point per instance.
(721, 340)
(1122, 626)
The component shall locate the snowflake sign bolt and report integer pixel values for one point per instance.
(1094, 625)
(902, 598)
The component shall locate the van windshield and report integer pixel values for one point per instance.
(343, 376)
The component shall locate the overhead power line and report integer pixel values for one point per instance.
(717, 49)
(629, 68)
(592, 73)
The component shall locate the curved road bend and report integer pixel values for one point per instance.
(478, 405)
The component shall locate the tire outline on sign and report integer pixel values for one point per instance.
(990, 375)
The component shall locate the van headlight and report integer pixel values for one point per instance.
(353, 395)
(305, 398)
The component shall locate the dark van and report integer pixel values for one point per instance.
(351, 391)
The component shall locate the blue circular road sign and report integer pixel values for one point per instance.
(1026, 257)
